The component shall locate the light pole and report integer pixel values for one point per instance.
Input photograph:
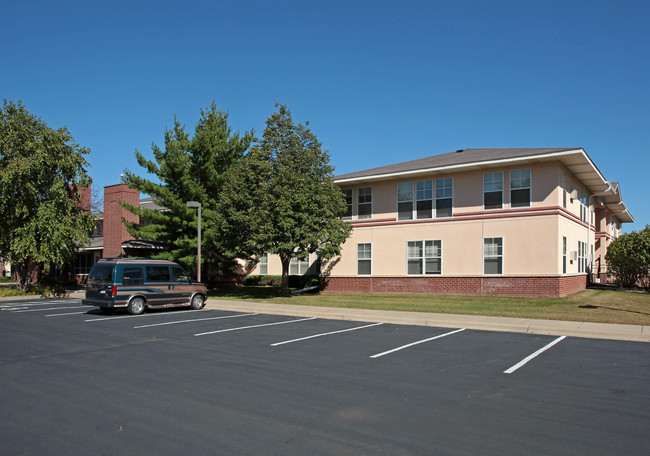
(198, 255)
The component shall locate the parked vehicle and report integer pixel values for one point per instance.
(138, 283)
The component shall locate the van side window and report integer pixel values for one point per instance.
(179, 275)
(133, 276)
(157, 273)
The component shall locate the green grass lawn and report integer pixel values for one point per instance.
(604, 306)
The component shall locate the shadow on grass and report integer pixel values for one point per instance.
(245, 292)
(590, 306)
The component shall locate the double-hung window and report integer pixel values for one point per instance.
(424, 257)
(299, 266)
(424, 199)
(364, 203)
(493, 255)
(493, 190)
(364, 259)
(444, 197)
(520, 188)
(264, 264)
(347, 195)
(405, 201)
(563, 254)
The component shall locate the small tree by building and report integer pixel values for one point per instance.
(41, 172)
(188, 169)
(282, 198)
(628, 258)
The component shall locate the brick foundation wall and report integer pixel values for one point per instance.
(496, 286)
(114, 230)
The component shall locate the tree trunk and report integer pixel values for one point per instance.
(285, 260)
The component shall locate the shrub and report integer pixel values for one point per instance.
(628, 257)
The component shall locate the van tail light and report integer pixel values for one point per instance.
(114, 291)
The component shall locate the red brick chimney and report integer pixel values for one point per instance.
(114, 230)
(85, 198)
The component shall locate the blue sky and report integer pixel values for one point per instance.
(380, 81)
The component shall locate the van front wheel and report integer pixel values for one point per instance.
(136, 306)
(197, 302)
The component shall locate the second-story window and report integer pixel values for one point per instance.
(493, 190)
(405, 201)
(347, 194)
(520, 188)
(424, 203)
(444, 197)
(364, 203)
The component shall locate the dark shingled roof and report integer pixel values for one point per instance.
(460, 157)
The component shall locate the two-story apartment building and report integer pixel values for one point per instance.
(524, 222)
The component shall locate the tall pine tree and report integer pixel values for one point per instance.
(189, 169)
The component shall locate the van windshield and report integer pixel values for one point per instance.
(101, 273)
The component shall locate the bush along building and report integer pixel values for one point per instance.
(512, 222)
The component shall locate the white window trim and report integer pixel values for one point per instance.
(424, 257)
(372, 203)
(415, 197)
(530, 187)
(364, 259)
(264, 255)
(503, 254)
(297, 261)
(435, 199)
(483, 192)
(398, 201)
(565, 247)
(351, 216)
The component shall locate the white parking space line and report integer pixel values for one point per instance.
(193, 320)
(144, 315)
(416, 343)
(534, 355)
(324, 334)
(67, 313)
(33, 304)
(45, 310)
(254, 326)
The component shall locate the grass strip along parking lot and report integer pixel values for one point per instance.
(599, 306)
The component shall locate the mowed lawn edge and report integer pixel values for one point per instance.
(599, 306)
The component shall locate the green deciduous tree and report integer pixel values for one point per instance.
(41, 171)
(282, 198)
(188, 169)
(628, 257)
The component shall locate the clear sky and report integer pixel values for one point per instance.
(380, 81)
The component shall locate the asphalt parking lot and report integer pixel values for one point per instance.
(75, 381)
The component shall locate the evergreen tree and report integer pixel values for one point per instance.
(189, 169)
(41, 171)
(282, 198)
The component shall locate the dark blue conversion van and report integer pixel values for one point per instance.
(137, 283)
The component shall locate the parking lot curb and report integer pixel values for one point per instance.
(633, 333)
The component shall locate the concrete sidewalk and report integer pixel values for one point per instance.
(635, 333)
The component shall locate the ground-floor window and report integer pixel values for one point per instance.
(424, 257)
(582, 256)
(264, 264)
(563, 254)
(83, 262)
(299, 266)
(364, 259)
(493, 255)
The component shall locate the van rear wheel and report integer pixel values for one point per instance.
(197, 302)
(136, 306)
